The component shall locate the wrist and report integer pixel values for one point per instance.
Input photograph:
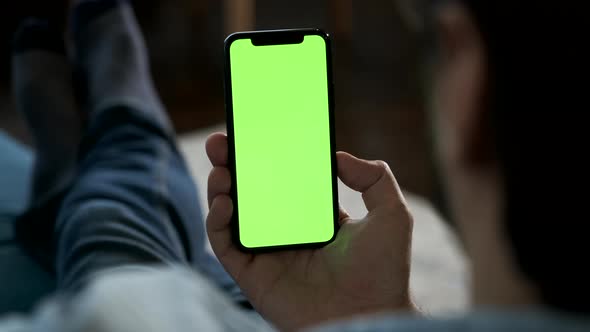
(404, 306)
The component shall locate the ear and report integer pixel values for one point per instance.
(461, 90)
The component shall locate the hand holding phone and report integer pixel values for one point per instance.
(364, 270)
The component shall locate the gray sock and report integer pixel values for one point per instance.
(112, 60)
(42, 83)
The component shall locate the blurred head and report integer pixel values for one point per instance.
(507, 96)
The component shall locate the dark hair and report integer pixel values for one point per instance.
(537, 96)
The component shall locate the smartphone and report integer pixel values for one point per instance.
(280, 126)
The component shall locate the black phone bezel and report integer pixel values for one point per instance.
(265, 38)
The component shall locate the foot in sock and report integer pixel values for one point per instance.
(42, 83)
(111, 59)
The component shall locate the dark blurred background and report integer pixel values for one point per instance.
(379, 112)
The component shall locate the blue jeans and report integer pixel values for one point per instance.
(133, 203)
(131, 200)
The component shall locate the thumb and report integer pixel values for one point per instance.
(373, 179)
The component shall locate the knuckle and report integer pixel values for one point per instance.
(218, 175)
(402, 214)
(406, 216)
(211, 176)
(384, 166)
(409, 218)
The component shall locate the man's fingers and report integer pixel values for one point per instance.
(218, 223)
(216, 148)
(221, 208)
(220, 236)
(219, 183)
(373, 179)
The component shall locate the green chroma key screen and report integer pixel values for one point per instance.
(281, 123)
